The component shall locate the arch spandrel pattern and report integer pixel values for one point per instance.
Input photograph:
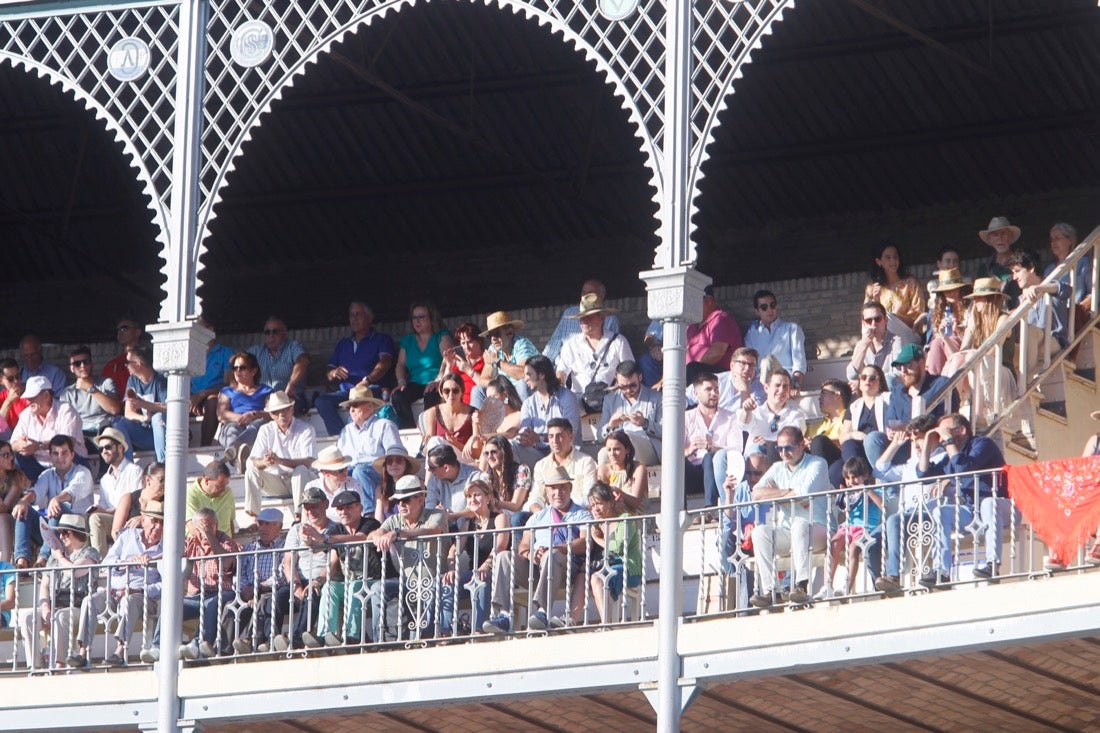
(630, 53)
(71, 50)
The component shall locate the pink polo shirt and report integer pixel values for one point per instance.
(718, 326)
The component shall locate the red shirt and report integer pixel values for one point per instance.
(116, 370)
(468, 381)
(213, 574)
(16, 408)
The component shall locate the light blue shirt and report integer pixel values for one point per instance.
(217, 364)
(78, 482)
(784, 340)
(275, 369)
(569, 325)
(648, 404)
(449, 494)
(50, 372)
(810, 476)
(1083, 270)
(522, 350)
(541, 525)
(370, 442)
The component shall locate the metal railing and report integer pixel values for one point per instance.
(1029, 376)
(932, 533)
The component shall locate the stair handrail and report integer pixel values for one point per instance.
(995, 343)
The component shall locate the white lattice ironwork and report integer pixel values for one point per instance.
(70, 48)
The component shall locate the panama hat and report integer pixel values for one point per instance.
(996, 224)
(407, 486)
(362, 395)
(556, 475)
(112, 434)
(277, 401)
(331, 459)
(73, 523)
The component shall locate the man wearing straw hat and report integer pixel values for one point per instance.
(366, 439)
(1001, 235)
(334, 479)
(282, 456)
(121, 477)
(593, 354)
(568, 325)
(507, 353)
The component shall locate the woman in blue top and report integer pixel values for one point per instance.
(241, 403)
(419, 362)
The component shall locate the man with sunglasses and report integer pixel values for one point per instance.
(120, 477)
(281, 461)
(910, 396)
(128, 332)
(876, 345)
(447, 479)
(145, 404)
(635, 409)
(283, 362)
(798, 524)
(95, 400)
(769, 335)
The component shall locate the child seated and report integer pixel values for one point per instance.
(863, 510)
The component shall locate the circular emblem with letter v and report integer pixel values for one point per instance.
(251, 43)
(617, 9)
(128, 59)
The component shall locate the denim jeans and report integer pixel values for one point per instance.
(207, 606)
(399, 615)
(369, 479)
(140, 436)
(28, 531)
(994, 513)
(328, 407)
(947, 517)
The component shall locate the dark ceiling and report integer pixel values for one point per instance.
(460, 151)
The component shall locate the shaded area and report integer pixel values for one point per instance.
(910, 119)
(451, 149)
(78, 244)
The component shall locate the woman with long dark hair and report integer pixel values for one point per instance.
(510, 480)
(900, 293)
(623, 473)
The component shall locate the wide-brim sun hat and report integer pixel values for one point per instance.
(996, 224)
(987, 286)
(592, 305)
(499, 319)
(411, 464)
(556, 475)
(950, 279)
(73, 523)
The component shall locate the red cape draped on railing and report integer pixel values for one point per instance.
(1060, 499)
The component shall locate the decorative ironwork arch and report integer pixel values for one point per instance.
(71, 50)
(233, 118)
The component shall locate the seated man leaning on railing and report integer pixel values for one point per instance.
(957, 496)
(261, 575)
(412, 597)
(354, 564)
(133, 590)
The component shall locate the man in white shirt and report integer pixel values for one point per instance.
(764, 421)
(708, 429)
(282, 456)
(559, 435)
(569, 326)
(121, 477)
(593, 354)
(44, 418)
(772, 336)
(797, 528)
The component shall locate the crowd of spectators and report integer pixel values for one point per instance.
(501, 428)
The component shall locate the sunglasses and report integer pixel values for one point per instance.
(80, 362)
(785, 448)
(108, 446)
(774, 424)
(406, 500)
(868, 377)
(272, 331)
(65, 533)
(240, 367)
(872, 321)
(450, 391)
(766, 306)
(433, 469)
(133, 362)
(420, 318)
